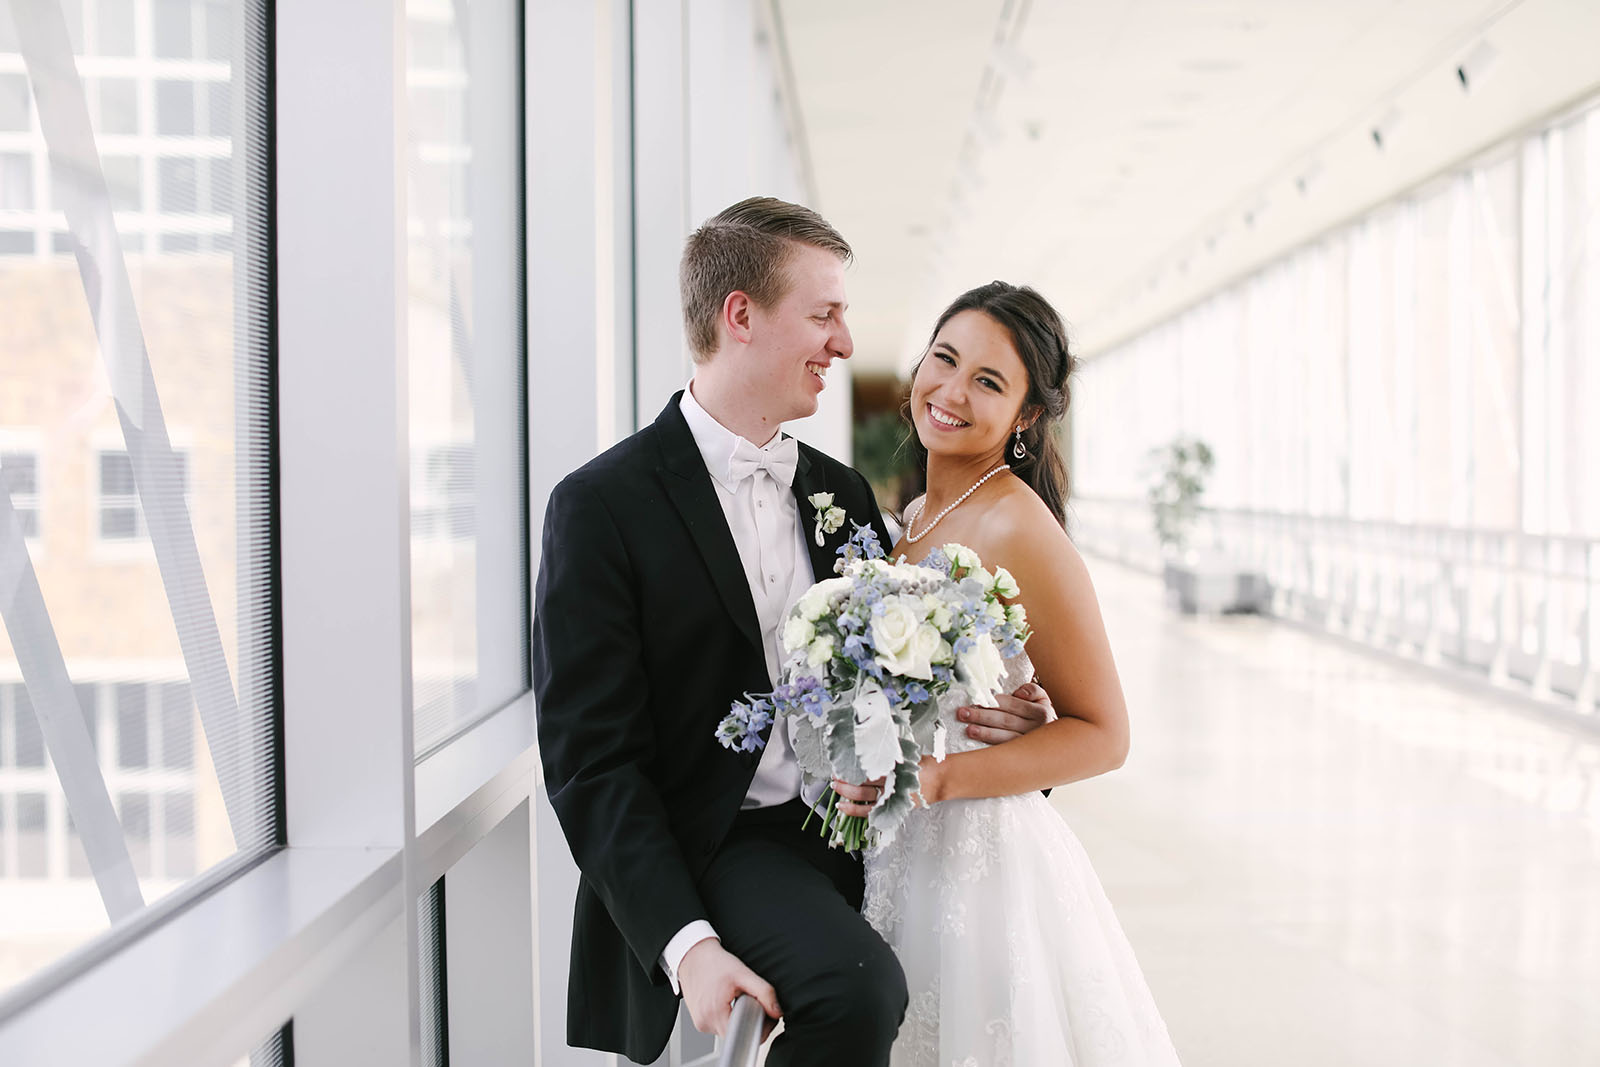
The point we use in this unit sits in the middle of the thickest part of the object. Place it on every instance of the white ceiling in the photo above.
(1117, 175)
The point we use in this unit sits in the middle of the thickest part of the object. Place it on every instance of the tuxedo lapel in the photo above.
(688, 485)
(809, 479)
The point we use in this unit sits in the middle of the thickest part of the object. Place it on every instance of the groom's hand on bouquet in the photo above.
(1024, 710)
(712, 978)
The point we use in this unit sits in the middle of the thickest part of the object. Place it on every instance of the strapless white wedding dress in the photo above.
(1012, 953)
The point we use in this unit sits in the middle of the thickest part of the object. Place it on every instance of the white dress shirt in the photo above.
(766, 528)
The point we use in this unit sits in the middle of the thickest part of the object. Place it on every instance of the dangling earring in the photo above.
(1018, 450)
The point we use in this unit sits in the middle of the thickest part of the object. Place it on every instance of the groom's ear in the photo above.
(736, 315)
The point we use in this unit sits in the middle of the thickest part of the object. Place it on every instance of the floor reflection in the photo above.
(1326, 858)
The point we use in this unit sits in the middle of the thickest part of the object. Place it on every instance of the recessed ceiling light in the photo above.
(1382, 131)
(1474, 70)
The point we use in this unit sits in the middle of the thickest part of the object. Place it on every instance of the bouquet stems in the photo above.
(849, 831)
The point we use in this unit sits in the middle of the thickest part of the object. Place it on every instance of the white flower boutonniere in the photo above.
(829, 517)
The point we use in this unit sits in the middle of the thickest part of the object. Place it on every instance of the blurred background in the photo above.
(305, 308)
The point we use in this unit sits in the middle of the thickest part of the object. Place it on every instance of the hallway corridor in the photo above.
(1324, 858)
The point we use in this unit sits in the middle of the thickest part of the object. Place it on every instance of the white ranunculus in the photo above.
(797, 633)
(1017, 616)
(877, 737)
(1004, 584)
(937, 610)
(821, 651)
(944, 654)
(995, 610)
(894, 637)
(981, 669)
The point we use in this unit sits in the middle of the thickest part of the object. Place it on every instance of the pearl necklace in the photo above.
(911, 520)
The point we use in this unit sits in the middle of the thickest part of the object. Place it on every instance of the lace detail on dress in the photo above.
(1011, 951)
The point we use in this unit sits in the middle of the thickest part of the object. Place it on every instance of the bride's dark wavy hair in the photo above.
(1040, 339)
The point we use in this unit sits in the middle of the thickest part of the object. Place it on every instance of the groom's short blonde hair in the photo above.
(745, 248)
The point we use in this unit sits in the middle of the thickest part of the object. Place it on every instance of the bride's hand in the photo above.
(857, 799)
(1025, 710)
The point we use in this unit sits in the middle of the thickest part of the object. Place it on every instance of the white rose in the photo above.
(797, 633)
(893, 636)
(980, 670)
(1004, 584)
(814, 603)
(962, 556)
(821, 651)
(924, 647)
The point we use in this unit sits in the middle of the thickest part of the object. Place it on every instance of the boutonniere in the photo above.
(829, 517)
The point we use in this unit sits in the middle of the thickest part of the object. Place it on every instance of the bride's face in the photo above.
(967, 395)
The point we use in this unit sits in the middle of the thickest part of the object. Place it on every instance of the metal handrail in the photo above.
(1522, 609)
(741, 1044)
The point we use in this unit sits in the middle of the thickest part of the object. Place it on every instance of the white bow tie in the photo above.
(779, 460)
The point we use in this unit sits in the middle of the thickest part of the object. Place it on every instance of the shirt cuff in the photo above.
(679, 946)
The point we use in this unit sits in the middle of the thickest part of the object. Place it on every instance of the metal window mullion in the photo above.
(344, 483)
(61, 722)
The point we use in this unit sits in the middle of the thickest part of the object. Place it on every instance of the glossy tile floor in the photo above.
(1323, 857)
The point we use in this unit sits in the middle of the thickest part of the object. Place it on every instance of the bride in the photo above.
(1012, 953)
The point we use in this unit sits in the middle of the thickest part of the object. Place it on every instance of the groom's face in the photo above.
(795, 342)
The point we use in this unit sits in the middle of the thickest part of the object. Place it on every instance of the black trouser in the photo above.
(789, 907)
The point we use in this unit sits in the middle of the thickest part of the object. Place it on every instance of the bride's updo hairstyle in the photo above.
(1041, 341)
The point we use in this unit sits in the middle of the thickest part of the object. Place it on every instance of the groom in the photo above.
(668, 563)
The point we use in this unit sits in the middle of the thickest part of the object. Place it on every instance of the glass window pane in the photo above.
(120, 523)
(178, 834)
(174, 29)
(464, 312)
(177, 727)
(119, 105)
(125, 179)
(133, 727)
(14, 101)
(16, 181)
(218, 104)
(19, 473)
(176, 185)
(135, 816)
(113, 27)
(219, 19)
(155, 642)
(88, 697)
(175, 107)
(16, 242)
(116, 474)
(33, 844)
(29, 740)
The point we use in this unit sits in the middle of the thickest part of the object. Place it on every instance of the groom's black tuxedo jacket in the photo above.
(644, 632)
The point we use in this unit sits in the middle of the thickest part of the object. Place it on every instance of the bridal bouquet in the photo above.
(868, 655)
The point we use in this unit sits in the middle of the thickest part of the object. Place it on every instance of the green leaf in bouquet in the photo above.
(839, 738)
(903, 781)
(923, 718)
(810, 746)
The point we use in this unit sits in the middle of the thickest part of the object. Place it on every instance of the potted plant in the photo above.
(1182, 466)
(1197, 582)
